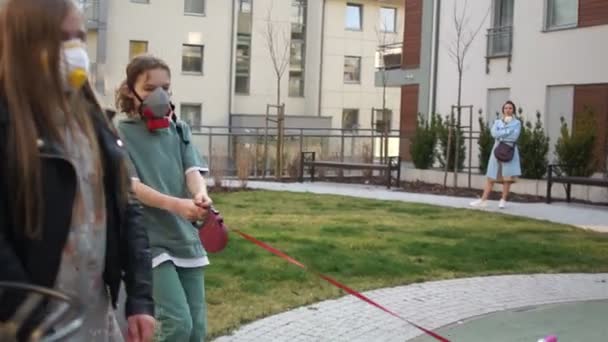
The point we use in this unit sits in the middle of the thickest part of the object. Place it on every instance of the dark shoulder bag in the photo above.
(504, 151)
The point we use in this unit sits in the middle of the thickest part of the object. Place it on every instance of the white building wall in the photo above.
(540, 59)
(263, 82)
(165, 27)
(340, 42)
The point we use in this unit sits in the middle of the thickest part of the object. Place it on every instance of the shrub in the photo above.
(422, 148)
(244, 160)
(574, 150)
(533, 149)
(442, 135)
(485, 143)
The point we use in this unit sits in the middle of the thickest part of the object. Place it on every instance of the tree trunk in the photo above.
(280, 121)
(457, 150)
(386, 126)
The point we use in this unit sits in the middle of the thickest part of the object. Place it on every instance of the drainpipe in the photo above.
(321, 61)
(435, 59)
(232, 65)
(102, 43)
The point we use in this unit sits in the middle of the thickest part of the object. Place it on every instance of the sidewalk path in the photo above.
(582, 216)
(432, 305)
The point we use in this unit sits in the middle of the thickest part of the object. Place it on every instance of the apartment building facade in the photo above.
(223, 73)
(545, 55)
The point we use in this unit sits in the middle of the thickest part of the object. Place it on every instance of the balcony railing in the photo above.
(500, 44)
(500, 41)
(389, 56)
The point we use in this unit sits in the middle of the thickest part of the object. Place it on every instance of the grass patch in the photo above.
(370, 244)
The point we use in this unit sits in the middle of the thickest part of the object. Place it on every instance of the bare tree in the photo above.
(278, 44)
(458, 51)
(386, 54)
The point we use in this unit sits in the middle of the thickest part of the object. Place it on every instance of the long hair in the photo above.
(31, 84)
(512, 105)
(137, 67)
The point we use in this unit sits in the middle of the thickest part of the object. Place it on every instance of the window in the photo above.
(192, 115)
(350, 119)
(243, 48)
(245, 6)
(352, 69)
(561, 14)
(388, 19)
(137, 47)
(496, 98)
(500, 36)
(194, 7)
(243, 63)
(192, 58)
(354, 17)
(503, 13)
(141, 1)
(383, 119)
(297, 51)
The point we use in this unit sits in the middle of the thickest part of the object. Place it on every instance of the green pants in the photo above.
(179, 295)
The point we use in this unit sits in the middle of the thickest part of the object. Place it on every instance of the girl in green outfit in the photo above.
(168, 181)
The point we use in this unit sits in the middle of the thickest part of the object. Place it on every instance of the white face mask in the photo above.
(75, 64)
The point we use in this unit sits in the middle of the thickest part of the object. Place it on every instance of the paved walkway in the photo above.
(583, 216)
(433, 304)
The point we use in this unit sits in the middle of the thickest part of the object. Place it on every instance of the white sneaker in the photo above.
(479, 203)
(502, 204)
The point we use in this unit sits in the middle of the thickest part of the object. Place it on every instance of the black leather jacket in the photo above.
(37, 262)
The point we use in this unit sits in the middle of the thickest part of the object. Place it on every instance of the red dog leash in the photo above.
(214, 237)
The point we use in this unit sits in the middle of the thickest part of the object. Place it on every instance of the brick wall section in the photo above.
(412, 34)
(595, 96)
(592, 12)
(409, 111)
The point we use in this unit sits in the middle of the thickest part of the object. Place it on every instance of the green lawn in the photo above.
(370, 244)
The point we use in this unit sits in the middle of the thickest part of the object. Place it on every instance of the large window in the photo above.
(354, 17)
(137, 47)
(352, 69)
(383, 120)
(350, 119)
(192, 58)
(243, 63)
(243, 48)
(298, 48)
(191, 114)
(194, 7)
(388, 19)
(561, 14)
(500, 35)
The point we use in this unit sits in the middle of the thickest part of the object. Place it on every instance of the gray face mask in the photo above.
(155, 109)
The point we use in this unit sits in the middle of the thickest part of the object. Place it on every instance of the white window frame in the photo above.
(548, 26)
(196, 14)
(192, 104)
(395, 16)
(360, 6)
(188, 72)
(359, 73)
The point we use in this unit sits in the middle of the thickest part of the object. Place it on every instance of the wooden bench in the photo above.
(308, 159)
(556, 175)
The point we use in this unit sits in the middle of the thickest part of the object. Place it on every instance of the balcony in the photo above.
(90, 8)
(389, 71)
(499, 44)
(388, 56)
